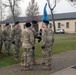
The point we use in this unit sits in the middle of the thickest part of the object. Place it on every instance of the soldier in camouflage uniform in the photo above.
(6, 34)
(1, 42)
(16, 39)
(34, 23)
(47, 42)
(28, 45)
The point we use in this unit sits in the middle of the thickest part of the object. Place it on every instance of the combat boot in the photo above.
(43, 63)
(21, 64)
(35, 63)
(31, 68)
(27, 68)
(16, 59)
(46, 67)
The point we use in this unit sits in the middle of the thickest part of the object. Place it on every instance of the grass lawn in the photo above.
(63, 42)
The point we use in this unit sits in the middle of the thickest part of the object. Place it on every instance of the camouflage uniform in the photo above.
(35, 35)
(28, 43)
(1, 42)
(47, 42)
(16, 37)
(7, 39)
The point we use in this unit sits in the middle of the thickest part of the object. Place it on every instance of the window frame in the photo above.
(67, 25)
(59, 24)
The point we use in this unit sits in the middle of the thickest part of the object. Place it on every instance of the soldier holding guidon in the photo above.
(47, 42)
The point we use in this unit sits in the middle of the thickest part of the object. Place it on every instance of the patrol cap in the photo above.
(34, 21)
(17, 22)
(28, 24)
(7, 24)
(46, 21)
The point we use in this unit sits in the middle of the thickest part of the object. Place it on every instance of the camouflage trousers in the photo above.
(1, 43)
(47, 56)
(7, 46)
(17, 48)
(26, 58)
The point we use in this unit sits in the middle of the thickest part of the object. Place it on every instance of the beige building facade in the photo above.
(69, 26)
(66, 21)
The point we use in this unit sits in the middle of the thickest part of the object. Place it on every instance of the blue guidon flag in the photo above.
(45, 16)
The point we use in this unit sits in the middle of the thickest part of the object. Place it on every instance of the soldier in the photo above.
(47, 42)
(27, 45)
(6, 34)
(34, 23)
(16, 39)
(1, 42)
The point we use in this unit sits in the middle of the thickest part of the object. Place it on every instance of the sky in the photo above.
(62, 7)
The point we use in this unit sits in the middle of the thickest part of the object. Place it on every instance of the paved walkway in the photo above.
(67, 71)
(59, 62)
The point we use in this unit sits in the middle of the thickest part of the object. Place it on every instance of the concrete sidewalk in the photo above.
(67, 71)
(59, 62)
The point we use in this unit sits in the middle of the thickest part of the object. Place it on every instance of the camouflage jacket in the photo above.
(35, 33)
(6, 34)
(47, 37)
(16, 34)
(28, 38)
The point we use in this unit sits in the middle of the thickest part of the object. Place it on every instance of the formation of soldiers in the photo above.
(26, 40)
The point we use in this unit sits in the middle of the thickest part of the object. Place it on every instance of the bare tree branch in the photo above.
(51, 10)
(72, 2)
(13, 6)
(1, 12)
(54, 5)
(32, 10)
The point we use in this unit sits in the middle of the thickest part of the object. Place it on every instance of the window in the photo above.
(59, 25)
(50, 25)
(67, 24)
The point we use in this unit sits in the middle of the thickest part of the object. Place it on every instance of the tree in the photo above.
(51, 10)
(32, 11)
(1, 12)
(14, 7)
(15, 15)
(72, 2)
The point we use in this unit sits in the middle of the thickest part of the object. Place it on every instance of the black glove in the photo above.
(40, 32)
(33, 47)
(4, 40)
(43, 47)
(39, 38)
(13, 42)
(52, 40)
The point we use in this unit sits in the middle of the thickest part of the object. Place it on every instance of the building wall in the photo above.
(72, 25)
(63, 25)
